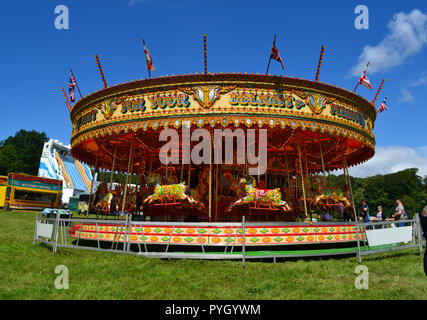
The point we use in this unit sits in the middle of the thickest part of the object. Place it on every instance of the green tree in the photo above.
(383, 190)
(21, 153)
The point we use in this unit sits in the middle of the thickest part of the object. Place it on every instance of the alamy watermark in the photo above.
(362, 280)
(211, 149)
(61, 281)
(362, 20)
(62, 21)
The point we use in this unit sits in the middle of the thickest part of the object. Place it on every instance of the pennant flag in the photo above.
(71, 86)
(275, 54)
(364, 81)
(383, 106)
(150, 65)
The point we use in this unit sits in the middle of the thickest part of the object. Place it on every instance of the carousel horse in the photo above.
(106, 197)
(325, 195)
(262, 196)
(172, 191)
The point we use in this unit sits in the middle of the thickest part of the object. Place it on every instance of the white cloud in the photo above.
(406, 95)
(407, 36)
(393, 159)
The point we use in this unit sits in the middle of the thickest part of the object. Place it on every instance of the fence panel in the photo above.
(384, 236)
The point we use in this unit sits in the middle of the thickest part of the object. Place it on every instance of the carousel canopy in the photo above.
(330, 125)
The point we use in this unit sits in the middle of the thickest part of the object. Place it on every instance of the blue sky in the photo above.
(35, 56)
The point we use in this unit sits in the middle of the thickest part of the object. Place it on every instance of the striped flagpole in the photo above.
(66, 100)
(319, 65)
(378, 92)
(100, 71)
(205, 52)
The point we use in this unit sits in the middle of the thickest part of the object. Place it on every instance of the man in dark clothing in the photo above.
(365, 212)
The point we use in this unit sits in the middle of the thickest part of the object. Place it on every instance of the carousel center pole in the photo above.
(302, 181)
(91, 189)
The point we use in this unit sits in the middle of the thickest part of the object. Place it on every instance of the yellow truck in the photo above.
(24, 191)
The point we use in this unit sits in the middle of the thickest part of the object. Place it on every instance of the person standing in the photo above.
(365, 212)
(399, 213)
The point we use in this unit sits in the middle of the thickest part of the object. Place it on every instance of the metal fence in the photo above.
(362, 230)
(56, 233)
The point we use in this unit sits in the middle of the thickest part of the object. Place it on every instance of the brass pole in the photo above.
(91, 189)
(210, 183)
(112, 169)
(321, 157)
(351, 191)
(302, 180)
(126, 186)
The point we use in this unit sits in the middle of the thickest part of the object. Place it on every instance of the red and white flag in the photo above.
(275, 54)
(364, 81)
(150, 65)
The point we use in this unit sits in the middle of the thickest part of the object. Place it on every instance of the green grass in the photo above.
(28, 272)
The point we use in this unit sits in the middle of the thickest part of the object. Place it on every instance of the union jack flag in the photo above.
(71, 86)
(383, 106)
(275, 54)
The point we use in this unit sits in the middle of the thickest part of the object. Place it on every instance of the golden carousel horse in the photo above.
(328, 196)
(269, 197)
(168, 192)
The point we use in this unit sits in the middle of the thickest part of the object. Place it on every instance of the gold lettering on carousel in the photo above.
(85, 119)
(266, 100)
(169, 101)
(137, 105)
(348, 114)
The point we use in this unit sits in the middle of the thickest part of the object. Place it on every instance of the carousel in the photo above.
(303, 129)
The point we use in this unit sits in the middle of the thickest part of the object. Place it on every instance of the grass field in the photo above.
(28, 272)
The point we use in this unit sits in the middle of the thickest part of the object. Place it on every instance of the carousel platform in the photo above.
(272, 234)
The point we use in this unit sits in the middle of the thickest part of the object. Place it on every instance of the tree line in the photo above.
(383, 190)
